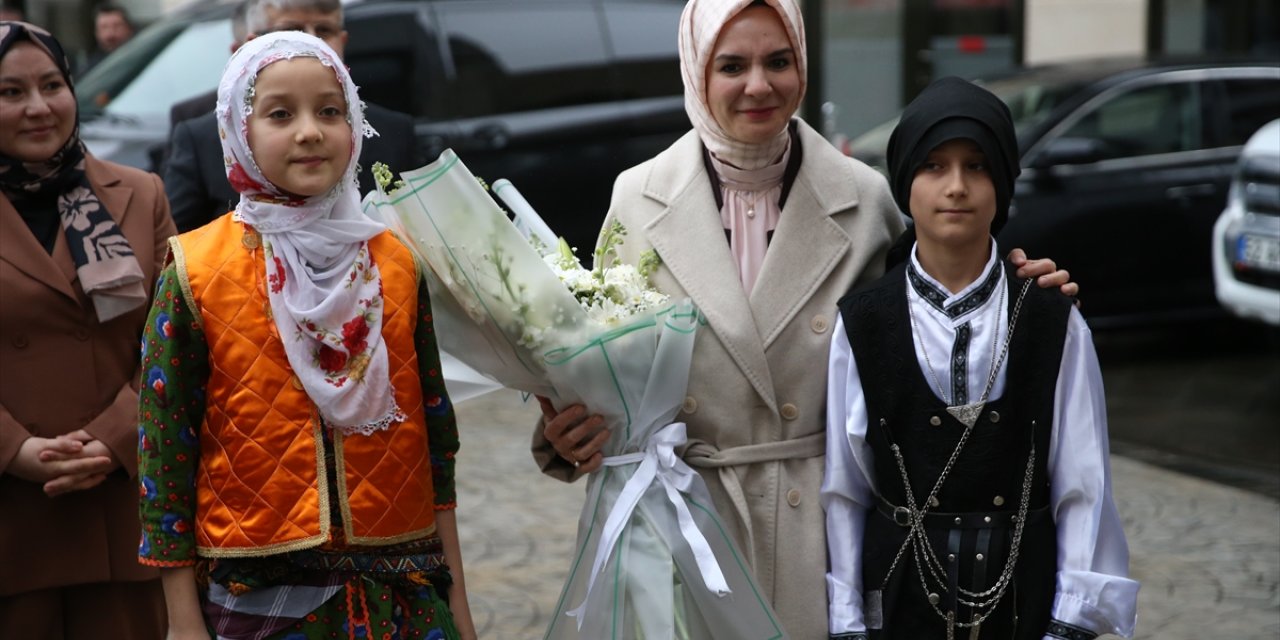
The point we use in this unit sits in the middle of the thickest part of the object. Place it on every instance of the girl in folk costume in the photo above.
(296, 447)
(764, 225)
(967, 487)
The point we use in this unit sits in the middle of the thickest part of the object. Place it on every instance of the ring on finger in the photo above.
(572, 459)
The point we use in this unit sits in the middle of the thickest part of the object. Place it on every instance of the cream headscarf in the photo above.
(323, 286)
(700, 26)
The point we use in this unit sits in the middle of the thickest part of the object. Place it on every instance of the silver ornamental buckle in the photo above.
(902, 516)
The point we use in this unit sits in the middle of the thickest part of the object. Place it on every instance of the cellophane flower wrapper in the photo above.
(652, 558)
(649, 584)
(481, 272)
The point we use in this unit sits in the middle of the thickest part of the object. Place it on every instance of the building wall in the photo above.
(1060, 30)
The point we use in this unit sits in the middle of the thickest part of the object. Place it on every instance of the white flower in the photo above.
(610, 295)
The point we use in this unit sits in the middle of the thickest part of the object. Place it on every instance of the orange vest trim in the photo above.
(260, 484)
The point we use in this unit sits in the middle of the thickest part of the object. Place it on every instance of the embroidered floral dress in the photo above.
(334, 591)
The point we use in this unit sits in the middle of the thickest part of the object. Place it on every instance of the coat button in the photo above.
(296, 381)
(998, 500)
(818, 324)
(689, 405)
(789, 411)
(20, 342)
(793, 497)
(935, 421)
(250, 239)
(994, 416)
(81, 335)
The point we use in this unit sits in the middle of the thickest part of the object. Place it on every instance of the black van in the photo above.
(558, 96)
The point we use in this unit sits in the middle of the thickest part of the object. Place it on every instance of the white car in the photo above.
(1246, 238)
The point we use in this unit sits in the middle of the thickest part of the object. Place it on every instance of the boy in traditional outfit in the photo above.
(967, 487)
(296, 446)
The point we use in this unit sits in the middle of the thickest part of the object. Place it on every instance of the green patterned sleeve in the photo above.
(442, 426)
(175, 368)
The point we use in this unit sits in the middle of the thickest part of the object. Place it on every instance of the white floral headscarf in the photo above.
(700, 27)
(324, 289)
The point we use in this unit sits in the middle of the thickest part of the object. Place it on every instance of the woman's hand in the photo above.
(63, 464)
(78, 481)
(1046, 273)
(576, 437)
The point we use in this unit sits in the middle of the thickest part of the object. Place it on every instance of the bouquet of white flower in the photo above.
(511, 301)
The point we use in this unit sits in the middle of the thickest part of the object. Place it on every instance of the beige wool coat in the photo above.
(756, 401)
(62, 370)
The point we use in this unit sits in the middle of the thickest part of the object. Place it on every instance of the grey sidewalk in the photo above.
(1208, 556)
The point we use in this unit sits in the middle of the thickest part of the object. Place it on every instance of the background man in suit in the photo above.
(195, 176)
(203, 103)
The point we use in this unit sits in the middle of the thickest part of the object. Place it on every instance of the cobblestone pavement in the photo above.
(1208, 556)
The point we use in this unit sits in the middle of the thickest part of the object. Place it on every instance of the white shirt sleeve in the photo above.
(1093, 588)
(846, 487)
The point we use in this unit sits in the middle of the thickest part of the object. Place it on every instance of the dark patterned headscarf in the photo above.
(105, 264)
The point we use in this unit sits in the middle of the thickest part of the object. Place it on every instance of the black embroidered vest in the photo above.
(971, 531)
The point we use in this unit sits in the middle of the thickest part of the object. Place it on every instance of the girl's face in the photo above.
(753, 85)
(953, 199)
(298, 131)
(37, 108)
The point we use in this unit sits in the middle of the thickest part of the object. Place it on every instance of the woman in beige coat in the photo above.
(81, 242)
(764, 225)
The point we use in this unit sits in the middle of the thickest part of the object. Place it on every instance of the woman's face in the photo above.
(37, 108)
(753, 84)
(298, 131)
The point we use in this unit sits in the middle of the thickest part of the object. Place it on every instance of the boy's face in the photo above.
(298, 131)
(953, 200)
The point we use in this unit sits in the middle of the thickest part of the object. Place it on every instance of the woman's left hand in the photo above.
(92, 448)
(1045, 271)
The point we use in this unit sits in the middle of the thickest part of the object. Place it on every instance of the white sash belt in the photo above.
(658, 462)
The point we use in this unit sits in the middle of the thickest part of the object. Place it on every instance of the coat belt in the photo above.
(705, 456)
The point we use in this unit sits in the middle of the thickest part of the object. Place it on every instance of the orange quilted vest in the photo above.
(260, 485)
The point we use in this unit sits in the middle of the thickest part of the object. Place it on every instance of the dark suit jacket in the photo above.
(178, 113)
(192, 108)
(195, 177)
(62, 370)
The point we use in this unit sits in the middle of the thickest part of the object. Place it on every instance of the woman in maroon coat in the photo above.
(81, 242)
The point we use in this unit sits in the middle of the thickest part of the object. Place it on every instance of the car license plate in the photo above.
(1258, 252)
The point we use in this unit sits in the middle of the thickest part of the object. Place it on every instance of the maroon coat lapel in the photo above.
(21, 249)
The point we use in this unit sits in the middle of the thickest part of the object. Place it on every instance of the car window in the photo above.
(642, 36)
(1251, 103)
(160, 67)
(1029, 101)
(516, 56)
(1154, 119)
(394, 60)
